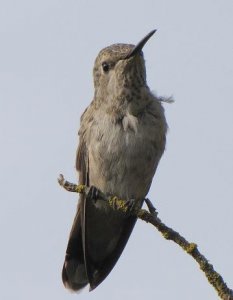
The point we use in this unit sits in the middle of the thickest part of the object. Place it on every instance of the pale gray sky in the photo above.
(46, 57)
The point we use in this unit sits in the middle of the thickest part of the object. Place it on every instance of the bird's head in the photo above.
(120, 70)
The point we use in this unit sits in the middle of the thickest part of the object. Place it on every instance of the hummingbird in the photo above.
(122, 137)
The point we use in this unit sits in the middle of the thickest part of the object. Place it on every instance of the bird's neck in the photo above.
(127, 102)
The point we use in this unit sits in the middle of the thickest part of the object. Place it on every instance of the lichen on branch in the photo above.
(151, 216)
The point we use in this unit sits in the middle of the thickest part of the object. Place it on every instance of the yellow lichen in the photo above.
(80, 188)
(191, 247)
(166, 235)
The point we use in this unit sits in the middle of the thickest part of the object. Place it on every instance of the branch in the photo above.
(214, 278)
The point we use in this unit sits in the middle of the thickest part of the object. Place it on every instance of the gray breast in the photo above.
(123, 159)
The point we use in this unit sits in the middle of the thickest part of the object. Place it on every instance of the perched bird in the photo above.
(121, 140)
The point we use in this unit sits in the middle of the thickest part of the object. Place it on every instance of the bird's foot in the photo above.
(130, 204)
(93, 193)
(122, 205)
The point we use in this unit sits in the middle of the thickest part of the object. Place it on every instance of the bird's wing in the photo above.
(74, 270)
(98, 235)
(105, 231)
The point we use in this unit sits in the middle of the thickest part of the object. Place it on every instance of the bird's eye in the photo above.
(105, 67)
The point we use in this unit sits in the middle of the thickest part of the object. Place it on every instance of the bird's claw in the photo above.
(93, 193)
(130, 204)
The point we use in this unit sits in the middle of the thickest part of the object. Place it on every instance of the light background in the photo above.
(46, 57)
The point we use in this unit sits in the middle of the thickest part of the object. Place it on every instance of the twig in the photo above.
(214, 278)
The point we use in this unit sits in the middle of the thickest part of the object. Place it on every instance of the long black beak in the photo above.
(140, 45)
